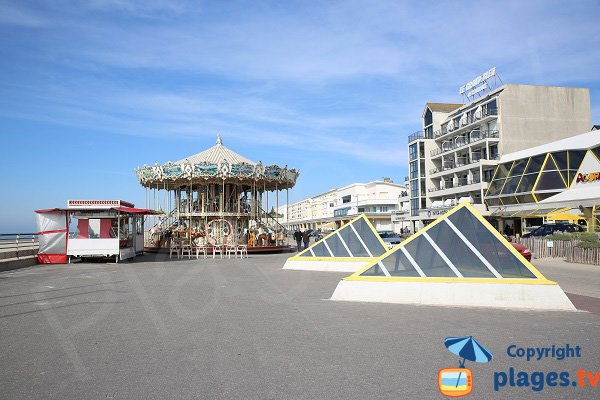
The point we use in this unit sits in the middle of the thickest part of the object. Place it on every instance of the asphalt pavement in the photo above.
(245, 329)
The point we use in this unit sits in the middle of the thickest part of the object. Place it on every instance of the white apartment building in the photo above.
(385, 203)
(454, 157)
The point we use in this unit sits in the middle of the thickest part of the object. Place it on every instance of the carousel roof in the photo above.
(216, 155)
(217, 164)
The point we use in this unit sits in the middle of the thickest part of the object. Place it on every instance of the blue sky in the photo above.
(89, 90)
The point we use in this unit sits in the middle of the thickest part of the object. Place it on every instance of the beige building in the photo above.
(454, 157)
(385, 204)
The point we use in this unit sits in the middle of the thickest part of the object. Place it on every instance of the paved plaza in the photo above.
(245, 329)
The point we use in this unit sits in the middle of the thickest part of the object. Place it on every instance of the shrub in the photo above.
(562, 236)
(589, 245)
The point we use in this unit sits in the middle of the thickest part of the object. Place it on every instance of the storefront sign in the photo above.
(591, 177)
(478, 84)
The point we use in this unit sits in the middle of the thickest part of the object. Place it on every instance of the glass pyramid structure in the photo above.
(347, 249)
(355, 239)
(459, 245)
(458, 260)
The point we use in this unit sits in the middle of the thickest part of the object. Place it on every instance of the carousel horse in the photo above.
(251, 239)
(263, 239)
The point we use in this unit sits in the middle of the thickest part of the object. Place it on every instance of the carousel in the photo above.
(216, 198)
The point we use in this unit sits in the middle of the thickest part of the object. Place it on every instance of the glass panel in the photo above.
(572, 174)
(502, 170)
(319, 250)
(493, 202)
(552, 166)
(508, 200)
(336, 246)
(561, 159)
(575, 158)
(369, 238)
(596, 151)
(428, 259)
(544, 196)
(535, 163)
(527, 183)
(550, 180)
(495, 187)
(518, 167)
(397, 264)
(494, 251)
(356, 248)
(469, 265)
(373, 271)
(525, 198)
(511, 185)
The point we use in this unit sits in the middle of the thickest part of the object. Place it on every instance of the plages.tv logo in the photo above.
(458, 382)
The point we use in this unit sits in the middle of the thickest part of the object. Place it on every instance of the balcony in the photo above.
(463, 162)
(456, 184)
(449, 146)
(417, 135)
(455, 125)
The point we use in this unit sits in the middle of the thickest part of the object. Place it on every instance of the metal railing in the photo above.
(17, 246)
(417, 135)
(448, 146)
(460, 124)
(459, 182)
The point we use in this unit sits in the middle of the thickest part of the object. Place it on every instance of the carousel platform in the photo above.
(251, 250)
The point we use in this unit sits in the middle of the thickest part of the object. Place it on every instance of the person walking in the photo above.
(306, 238)
(298, 238)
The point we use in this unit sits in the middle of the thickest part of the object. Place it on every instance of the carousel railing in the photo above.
(273, 224)
(168, 228)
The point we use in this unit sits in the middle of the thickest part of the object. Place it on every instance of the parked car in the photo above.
(390, 238)
(524, 251)
(549, 229)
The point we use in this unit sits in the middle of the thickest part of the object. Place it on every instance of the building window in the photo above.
(414, 189)
(414, 207)
(341, 212)
(346, 199)
(412, 152)
(383, 209)
(414, 170)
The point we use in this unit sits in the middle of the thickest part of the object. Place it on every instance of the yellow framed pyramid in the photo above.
(345, 250)
(458, 260)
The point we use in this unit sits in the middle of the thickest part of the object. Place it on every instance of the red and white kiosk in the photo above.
(90, 228)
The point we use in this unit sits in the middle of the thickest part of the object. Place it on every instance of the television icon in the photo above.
(455, 382)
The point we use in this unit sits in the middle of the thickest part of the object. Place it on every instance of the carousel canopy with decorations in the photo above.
(216, 194)
(215, 165)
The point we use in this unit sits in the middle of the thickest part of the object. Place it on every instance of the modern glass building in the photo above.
(526, 183)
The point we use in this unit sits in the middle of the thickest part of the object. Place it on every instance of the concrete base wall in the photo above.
(498, 295)
(331, 266)
(15, 264)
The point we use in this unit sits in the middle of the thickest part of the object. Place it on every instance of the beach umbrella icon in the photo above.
(468, 348)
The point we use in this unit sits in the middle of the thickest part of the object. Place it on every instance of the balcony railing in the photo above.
(450, 165)
(417, 135)
(462, 123)
(455, 184)
(449, 146)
